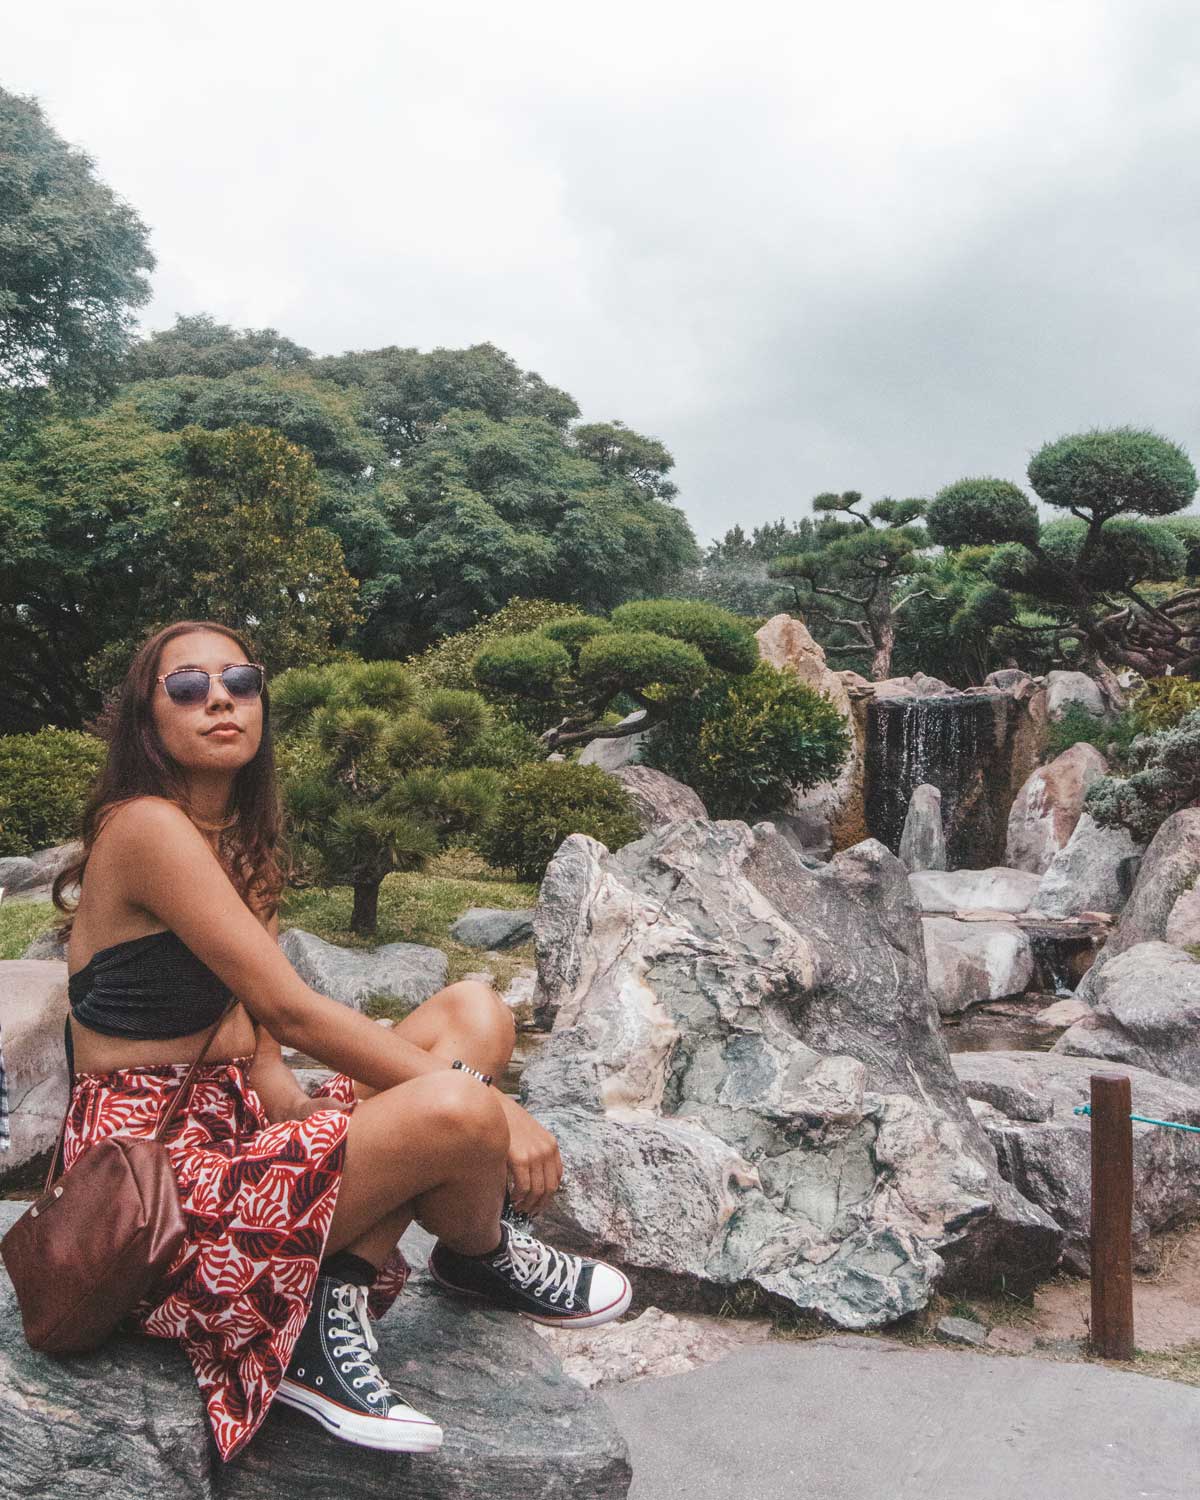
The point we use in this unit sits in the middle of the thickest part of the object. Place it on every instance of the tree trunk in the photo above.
(885, 643)
(365, 917)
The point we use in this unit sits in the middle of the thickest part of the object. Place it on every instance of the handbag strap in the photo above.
(183, 1092)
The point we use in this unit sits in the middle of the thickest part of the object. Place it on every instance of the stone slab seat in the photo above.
(127, 1422)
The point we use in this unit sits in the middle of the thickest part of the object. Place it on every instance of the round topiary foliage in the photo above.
(1114, 470)
(44, 782)
(528, 666)
(632, 660)
(546, 803)
(450, 662)
(744, 743)
(976, 511)
(724, 638)
(574, 633)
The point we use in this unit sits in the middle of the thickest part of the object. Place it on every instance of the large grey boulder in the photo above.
(47, 944)
(127, 1422)
(492, 928)
(33, 1006)
(1088, 874)
(969, 962)
(923, 841)
(1145, 1013)
(407, 972)
(997, 889)
(1048, 807)
(1074, 690)
(20, 874)
(1026, 1102)
(1169, 867)
(747, 1079)
(619, 750)
(657, 797)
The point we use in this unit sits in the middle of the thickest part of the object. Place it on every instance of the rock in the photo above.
(1183, 924)
(1063, 1013)
(127, 1422)
(401, 971)
(996, 889)
(747, 1080)
(1086, 874)
(961, 1331)
(654, 1344)
(47, 944)
(21, 873)
(969, 962)
(1026, 1103)
(1048, 807)
(832, 815)
(1011, 1341)
(31, 1030)
(1145, 1013)
(923, 842)
(519, 997)
(622, 750)
(657, 797)
(492, 928)
(1168, 869)
(1074, 689)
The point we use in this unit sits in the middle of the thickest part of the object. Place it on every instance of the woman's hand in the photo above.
(535, 1168)
(303, 1106)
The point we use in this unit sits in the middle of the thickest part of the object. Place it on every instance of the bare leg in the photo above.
(436, 1146)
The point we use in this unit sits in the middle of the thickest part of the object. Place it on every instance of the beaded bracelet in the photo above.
(474, 1072)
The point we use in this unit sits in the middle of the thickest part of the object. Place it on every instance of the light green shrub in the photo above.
(44, 781)
(545, 803)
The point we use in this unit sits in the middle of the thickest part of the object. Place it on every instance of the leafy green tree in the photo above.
(374, 773)
(746, 743)
(1089, 573)
(73, 259)
(483, 510)
(85, 507)
(201, 346)
(854, 578)
(242, 547)
(654, 653)
(405, 393)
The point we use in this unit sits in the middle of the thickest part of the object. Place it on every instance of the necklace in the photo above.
(214, 827)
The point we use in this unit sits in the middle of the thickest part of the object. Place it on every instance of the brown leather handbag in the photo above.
(96, 1242)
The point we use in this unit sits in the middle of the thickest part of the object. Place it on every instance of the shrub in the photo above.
(744, 743)
(44, 780)
(1077, 727)
(543, 804)
(448, 664)
(1166, 777)
(1164, 701)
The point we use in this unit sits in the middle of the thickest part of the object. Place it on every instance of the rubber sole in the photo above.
(392, 1434)
(574, 1320)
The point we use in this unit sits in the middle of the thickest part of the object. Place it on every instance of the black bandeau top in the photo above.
(149, 989)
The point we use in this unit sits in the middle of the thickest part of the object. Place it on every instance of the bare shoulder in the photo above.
(146, 819)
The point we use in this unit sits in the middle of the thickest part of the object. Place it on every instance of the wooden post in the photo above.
(1112, 1216)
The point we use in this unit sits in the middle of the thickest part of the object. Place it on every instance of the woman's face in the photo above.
(199, 737)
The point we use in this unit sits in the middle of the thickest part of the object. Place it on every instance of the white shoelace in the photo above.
(359, 1342)
(554, 1271)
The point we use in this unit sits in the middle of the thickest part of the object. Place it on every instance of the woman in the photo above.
(293, 1205)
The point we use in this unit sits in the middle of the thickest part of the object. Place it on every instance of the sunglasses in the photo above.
(189, 685)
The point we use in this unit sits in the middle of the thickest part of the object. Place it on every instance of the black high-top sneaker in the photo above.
(333, 1377)
(533, 1278)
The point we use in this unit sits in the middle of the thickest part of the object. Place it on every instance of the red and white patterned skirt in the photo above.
(258, 1200)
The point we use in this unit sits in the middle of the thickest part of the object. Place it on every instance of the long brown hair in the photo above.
(251, 849)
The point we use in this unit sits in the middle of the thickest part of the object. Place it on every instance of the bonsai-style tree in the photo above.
(377, 777)
(854, 576)
(572, 673)
(1166, 778)
(1088, 573)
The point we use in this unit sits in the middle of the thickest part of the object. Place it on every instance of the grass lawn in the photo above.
(417, 908)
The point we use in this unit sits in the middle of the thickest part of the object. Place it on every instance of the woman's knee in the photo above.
(475, 1009)
(456, 1108)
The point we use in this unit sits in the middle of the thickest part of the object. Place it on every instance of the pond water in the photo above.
(1006, 1026)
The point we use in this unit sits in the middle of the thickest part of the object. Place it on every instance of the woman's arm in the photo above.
(165, 866)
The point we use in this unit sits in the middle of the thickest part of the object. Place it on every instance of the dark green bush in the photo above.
(527, 666)
(543, 804)
(1077, 727)
(448, 664)
(743, 743)
(722, 637)
(44, 780)
(620, 660)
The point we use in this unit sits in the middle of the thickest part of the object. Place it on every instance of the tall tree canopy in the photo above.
(1091, 572)
(73, 259)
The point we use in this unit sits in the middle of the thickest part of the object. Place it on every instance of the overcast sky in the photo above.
(874, 246)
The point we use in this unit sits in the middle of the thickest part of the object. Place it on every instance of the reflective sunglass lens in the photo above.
(186, 687)
(242, 682)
